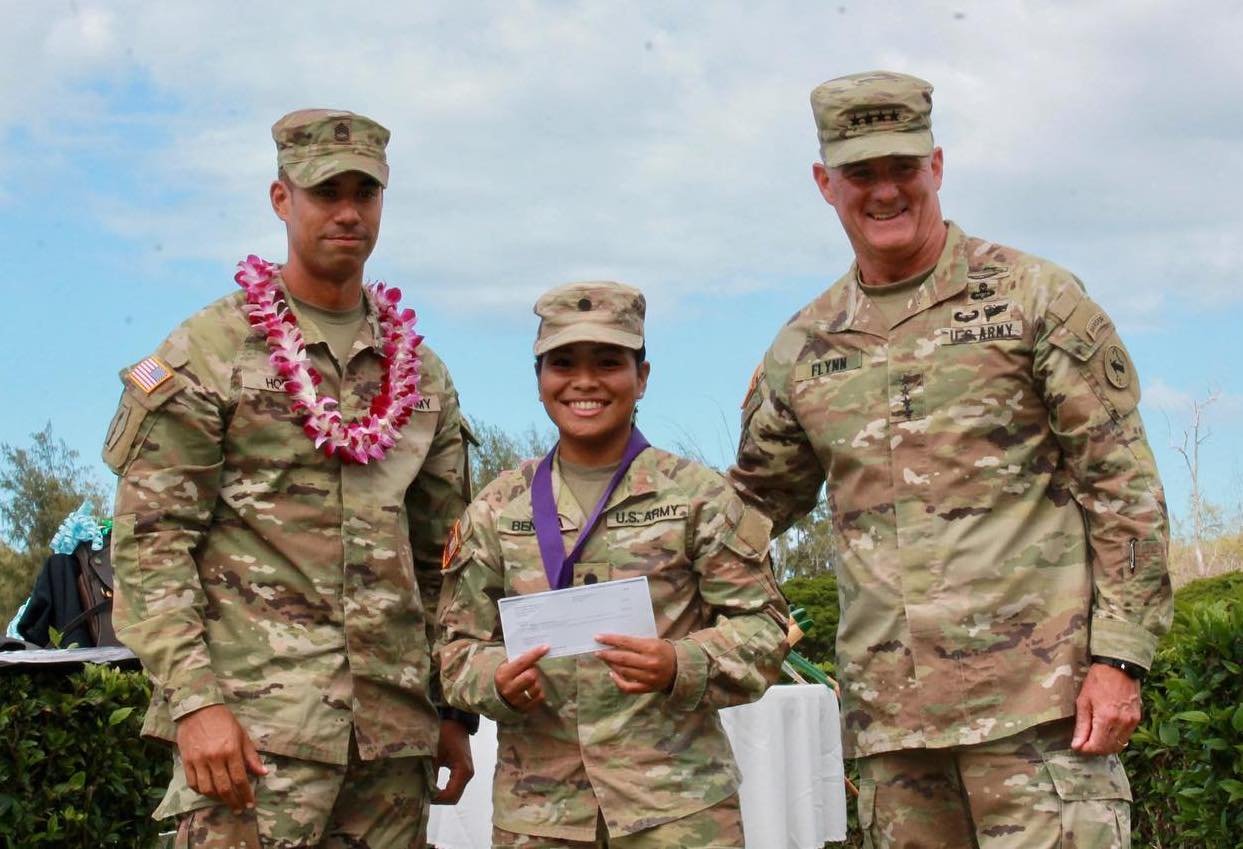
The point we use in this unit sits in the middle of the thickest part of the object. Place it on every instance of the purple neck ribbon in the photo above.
(559, 566)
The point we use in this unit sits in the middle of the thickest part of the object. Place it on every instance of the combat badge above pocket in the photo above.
(149, 384)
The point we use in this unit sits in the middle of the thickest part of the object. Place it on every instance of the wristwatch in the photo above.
(1132, 669)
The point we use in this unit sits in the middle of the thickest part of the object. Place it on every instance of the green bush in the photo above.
(1186, 763)
(818, 596)
(1226, 588)
(73, 770)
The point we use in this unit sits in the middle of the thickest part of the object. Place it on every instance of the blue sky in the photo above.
(667, 146)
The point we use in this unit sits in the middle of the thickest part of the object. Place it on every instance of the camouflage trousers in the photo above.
(1029, 791)
(381, 804)
(718, 827)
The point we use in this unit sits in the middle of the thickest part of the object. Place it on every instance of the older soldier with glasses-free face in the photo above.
(1001, 530)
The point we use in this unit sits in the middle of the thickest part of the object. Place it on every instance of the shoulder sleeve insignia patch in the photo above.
(1117, 367)
(452, 545)
(150, 374)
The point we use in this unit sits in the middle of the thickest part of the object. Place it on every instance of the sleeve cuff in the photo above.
(200, 692)
(691, 681)
(498, 709)
(1115, 638)
(484, 696)
(468, 720)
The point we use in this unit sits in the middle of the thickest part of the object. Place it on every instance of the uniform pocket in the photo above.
(209, 828)
(1095, 798)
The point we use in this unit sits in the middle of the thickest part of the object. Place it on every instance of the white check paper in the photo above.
(568, 620)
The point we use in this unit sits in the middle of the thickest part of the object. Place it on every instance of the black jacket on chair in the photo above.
(54, 603)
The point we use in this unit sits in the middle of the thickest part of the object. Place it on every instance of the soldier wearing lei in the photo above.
(291, 459)
(622, 748)
(1001, 529)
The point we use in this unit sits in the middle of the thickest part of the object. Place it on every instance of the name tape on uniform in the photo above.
(1002, 331)
(649, 516)
(828, 366)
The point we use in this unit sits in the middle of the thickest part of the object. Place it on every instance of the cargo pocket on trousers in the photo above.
(217, 828)
(1095, 799)
(867, 810)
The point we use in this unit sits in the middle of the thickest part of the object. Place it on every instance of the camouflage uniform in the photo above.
(255, 572)
(591, 763)
(643, 760)
(996, 507)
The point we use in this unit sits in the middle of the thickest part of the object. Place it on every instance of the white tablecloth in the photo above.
(788, 746)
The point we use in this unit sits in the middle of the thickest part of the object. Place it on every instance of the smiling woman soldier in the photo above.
(621, 748)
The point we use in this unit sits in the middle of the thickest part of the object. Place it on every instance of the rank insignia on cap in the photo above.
(341, 132)
(150, 374)
(452, 546)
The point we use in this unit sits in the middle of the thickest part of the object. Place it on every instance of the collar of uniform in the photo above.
(367, 334)
(641, 479)
(948, 278)
(309, 328)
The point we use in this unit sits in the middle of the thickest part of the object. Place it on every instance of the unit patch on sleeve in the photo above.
(1117, 367)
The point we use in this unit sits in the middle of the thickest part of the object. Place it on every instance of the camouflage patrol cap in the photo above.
(599, 311)
(315, 144)
(878, 113)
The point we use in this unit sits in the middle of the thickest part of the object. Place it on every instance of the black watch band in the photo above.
(469, 720)
(1132, 669)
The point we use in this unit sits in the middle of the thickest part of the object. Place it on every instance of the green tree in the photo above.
(498, 451)
(39, 486)
(806, 549)
(818, 596)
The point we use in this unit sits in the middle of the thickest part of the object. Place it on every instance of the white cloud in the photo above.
(536, 142)
(1161, 396)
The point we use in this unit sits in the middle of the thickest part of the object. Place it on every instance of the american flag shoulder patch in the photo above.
(150, 374)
